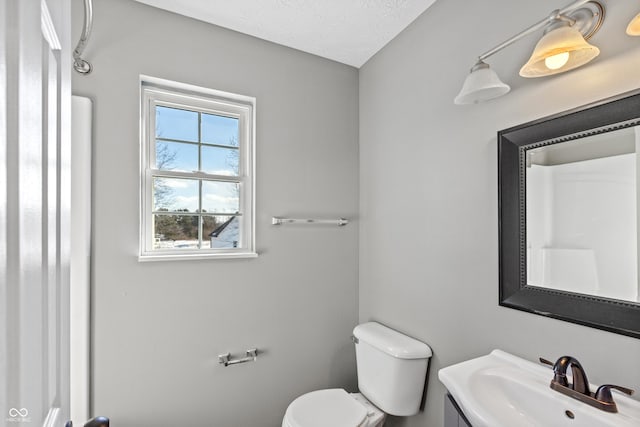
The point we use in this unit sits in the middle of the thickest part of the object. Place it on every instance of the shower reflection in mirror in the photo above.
(581, 215)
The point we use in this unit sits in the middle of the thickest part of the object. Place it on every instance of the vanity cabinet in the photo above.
(453, 416)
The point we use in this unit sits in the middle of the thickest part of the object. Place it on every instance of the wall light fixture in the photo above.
(563, 47)
(634, 26)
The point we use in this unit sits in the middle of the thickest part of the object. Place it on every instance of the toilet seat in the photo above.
(322, 408)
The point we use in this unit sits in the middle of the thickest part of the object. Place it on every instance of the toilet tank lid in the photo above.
(391, 342)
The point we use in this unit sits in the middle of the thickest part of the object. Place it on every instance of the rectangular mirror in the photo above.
(568, 195)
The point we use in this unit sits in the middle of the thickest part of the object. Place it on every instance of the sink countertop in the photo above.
(503, 390)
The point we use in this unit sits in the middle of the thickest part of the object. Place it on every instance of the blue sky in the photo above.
(172, 123)
(181, 127)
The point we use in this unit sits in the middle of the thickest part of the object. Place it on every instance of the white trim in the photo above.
(201, 175)
(80, 256)
(196, 90)
(194, 256)
(155, 91)
(47, 27)
(53, 418)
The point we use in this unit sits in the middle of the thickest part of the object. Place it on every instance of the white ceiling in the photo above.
(347, 31)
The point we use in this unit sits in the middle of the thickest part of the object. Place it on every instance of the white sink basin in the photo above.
(503, 390)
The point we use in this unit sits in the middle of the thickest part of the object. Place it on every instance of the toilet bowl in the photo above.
(332, 407)
(391, 374)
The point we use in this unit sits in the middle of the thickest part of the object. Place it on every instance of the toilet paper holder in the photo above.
(225, 359)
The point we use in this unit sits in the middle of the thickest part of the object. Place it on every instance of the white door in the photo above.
(35, 102)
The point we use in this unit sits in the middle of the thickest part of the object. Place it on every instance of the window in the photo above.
(197, 162)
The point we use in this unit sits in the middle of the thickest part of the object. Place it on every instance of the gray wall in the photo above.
(428, 192)
(158, 327)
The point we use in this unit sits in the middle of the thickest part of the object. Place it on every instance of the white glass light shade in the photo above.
(634, 26)
(555, 42)
(482, 84)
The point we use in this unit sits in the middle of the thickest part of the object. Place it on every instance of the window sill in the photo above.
(195, 256)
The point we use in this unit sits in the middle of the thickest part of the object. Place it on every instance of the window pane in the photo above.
(220, 197)
(221, 232)
(219, 130)
(220, 161)
(172, 123)
(176, 156)
(175, 231)
(175, 195)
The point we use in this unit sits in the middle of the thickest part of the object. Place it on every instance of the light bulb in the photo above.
(557, 61)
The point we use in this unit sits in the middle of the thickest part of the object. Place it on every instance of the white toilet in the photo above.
(391, 376)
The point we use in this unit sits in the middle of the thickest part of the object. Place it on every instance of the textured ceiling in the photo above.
(347, 31)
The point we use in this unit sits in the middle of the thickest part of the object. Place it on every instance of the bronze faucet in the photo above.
(580, 382)
(579, 389)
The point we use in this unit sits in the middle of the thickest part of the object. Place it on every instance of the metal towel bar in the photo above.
(279, 221)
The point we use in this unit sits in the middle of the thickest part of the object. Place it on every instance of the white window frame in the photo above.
(153, 92)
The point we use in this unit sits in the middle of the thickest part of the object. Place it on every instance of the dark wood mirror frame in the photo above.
(617, 316)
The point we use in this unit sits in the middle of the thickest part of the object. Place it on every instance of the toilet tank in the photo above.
(392, 368)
